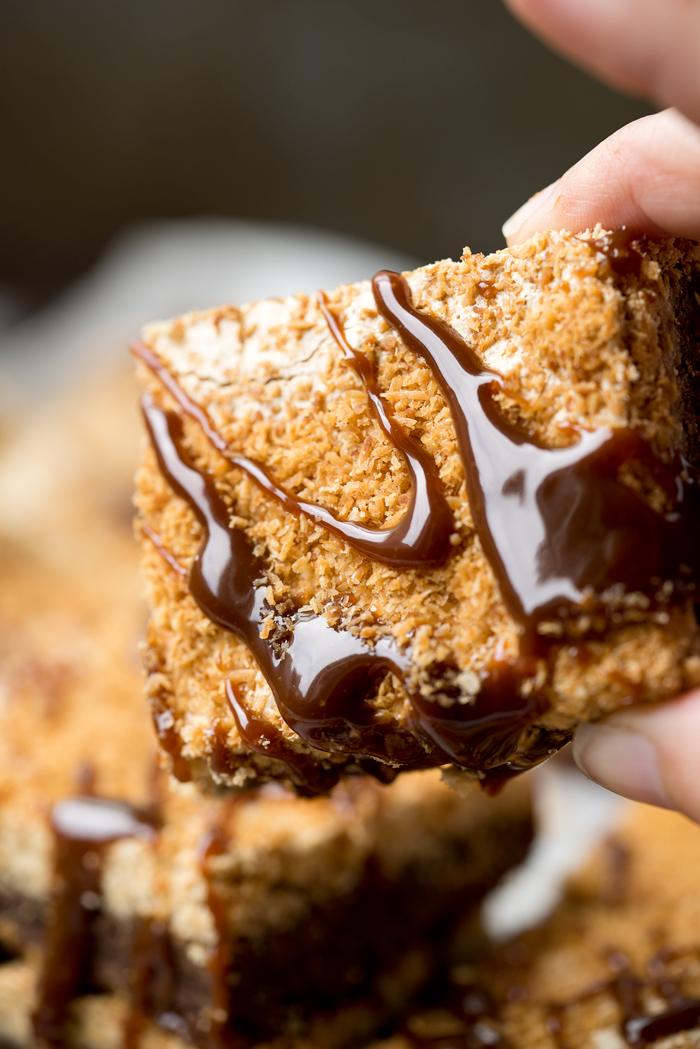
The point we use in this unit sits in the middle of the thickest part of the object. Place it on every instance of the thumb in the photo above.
(646, 177)
(647, 754)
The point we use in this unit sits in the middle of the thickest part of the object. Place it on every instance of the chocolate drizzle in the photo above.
(642, 1030)
(151, 979)
(562, 532)
(83, 827)
(164, 725)
(308, 776)
(619, 251)
(466, 1016)
(312, 668)
(420, 539)
(321, 677)
(637, 1026)
(557, 525)
(215, 843)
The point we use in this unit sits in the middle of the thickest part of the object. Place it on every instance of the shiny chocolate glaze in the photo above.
(420, 539)
(308, 775)
(83, 827)
(557, 525)
(620, 250)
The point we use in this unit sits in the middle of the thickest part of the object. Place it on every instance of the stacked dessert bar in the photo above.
(136, 911)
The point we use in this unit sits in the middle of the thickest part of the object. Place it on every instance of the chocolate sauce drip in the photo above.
(642, 1030)
(488, 732)
(420, 540)
(320, 676)
(619, 251)
(152, 978)
(168, 736)
(637, 1027)
(556, 525)
(155, 983)
(83, 827)
(309, 778)
(422, 537)
(316, 673)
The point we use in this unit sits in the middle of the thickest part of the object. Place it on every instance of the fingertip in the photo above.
(647, 753)
(645, 176)
(527, 214)
(621, 759)
(517, 7)
(532, 12)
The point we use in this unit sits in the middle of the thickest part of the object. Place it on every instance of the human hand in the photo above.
(646, 176)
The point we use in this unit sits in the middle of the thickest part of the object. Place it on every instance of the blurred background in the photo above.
(419, 127)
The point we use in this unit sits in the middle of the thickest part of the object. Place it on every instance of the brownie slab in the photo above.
(435, 519)
(138, 907)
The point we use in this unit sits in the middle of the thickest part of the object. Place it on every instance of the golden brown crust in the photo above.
(577, 346)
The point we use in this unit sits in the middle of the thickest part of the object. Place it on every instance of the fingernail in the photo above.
(511, 226)
(621, 760)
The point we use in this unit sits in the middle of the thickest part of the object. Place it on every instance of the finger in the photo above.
(649, 755)
(646, 176)
(649, 47)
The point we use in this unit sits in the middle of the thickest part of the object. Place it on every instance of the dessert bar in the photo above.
(134, 911)
(437, 518)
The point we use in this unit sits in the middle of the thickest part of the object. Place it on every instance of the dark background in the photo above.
(418, 125)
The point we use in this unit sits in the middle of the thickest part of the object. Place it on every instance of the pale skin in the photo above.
(645, 176)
